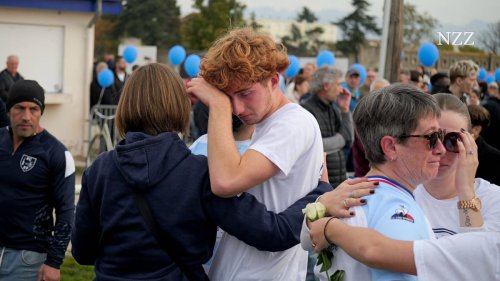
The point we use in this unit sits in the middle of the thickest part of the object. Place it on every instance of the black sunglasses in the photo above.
(449, 140)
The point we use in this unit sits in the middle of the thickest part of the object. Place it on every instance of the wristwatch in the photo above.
(474, 204)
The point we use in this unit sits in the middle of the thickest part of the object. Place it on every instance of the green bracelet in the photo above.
(324, 231)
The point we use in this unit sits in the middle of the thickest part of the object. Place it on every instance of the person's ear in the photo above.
(326, 87)
(275, 80)
(476, 130)
(388, 146)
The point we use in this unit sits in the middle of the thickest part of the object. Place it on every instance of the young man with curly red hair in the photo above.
(240, 74)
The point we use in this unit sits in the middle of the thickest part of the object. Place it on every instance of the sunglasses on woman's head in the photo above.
(449, 140)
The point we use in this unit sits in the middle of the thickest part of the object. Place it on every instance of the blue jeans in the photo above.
(20, 264)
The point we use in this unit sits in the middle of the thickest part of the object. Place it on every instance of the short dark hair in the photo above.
(479, 116)
(414, 75)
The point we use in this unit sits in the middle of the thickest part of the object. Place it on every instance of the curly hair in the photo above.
(242, 56)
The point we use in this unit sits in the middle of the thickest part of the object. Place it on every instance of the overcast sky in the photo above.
(448, 12)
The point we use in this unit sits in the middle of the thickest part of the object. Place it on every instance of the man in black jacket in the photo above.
(9, 76)
(492, 103)
(37, 177)
(329, 104)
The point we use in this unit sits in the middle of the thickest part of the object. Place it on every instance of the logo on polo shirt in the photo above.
(27, 163)
(401, 213)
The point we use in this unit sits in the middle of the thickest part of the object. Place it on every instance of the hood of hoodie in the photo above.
(144, 160)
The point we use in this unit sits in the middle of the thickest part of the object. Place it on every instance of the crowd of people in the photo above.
(423, 151)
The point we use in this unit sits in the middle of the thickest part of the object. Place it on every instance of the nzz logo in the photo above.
(458, 38)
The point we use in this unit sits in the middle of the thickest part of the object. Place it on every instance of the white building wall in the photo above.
(66, 112)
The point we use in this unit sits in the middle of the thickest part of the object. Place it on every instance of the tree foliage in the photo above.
(307, 16)
(355, 26)
(155, 22)
(104, 40)
(212, 19)
(307, 43)
(490, 38)
(416, 26)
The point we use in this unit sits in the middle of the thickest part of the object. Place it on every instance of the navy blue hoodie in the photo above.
(110, 232)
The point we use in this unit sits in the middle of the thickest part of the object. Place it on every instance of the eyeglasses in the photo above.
(449, 140)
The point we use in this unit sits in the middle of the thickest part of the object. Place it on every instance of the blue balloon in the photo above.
(490, 78)
(130, 54)
(177, 54)
(481, 74)
(294, 67)
(497, 74)
(362, 72)
(105, 78)
(428, 54)
(325, 57)
(192, 65)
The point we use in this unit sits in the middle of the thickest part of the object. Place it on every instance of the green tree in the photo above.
(304, 44)
(307, 16)
(354, 27)
(105, 41)
(416, 26)
(155, 22)
(201, 28)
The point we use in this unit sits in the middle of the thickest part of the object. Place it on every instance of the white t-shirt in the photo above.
(446, 221)
(291, 139)
(200, 145)
(466, 256)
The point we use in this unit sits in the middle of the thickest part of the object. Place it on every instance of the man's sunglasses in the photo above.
(449, 140)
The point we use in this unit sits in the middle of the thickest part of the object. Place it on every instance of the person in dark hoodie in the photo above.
(110, 232)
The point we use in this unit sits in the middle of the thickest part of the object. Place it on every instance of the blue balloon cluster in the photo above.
(497, 74)
(362, 72)
(176, 54)
(130, 54)
(325, 58)
(481, 74)
(105, 78)
(428, 54)
(192, 65)
(294, 67)
(489, 79)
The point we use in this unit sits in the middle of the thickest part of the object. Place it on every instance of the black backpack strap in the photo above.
(153, 226)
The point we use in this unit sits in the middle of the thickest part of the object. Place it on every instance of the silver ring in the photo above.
(345, 203)
(351, 194)
(471, 152)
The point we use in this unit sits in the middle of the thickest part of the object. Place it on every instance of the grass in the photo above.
(72, 271)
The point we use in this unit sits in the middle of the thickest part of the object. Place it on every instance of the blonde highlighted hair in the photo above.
(153, 101)
(242, 56)
(462, 69)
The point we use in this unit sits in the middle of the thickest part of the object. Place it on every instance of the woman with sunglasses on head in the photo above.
(398, 126)
(454, 201)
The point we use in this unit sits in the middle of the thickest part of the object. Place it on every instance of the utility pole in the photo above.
(392, 43)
